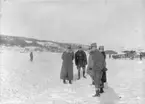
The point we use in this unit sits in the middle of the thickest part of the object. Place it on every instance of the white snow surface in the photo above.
(38, 82)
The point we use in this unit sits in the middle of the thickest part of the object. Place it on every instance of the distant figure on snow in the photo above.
(140, 56)
(31, 56)
(67, 65)
(109, 56)
(81, 61)
(96, 63)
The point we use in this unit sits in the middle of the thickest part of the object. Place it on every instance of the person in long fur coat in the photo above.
(67, 66)
(96, 64)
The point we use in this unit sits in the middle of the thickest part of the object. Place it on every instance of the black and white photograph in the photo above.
(72, 51)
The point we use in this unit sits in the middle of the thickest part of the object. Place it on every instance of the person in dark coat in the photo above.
(67, 66)
(81, 61)
(31, 56)
(96, 65)
(104, 78)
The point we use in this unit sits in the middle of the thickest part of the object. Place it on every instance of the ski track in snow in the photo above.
(25, 82)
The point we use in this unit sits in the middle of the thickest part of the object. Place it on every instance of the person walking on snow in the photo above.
(31, 56)
(67, 65)
(81, 61)
(140, 56)
(109, 56)
(95, 67)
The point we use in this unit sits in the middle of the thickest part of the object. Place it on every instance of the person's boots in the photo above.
(97, 94)
(84, 74)
(64, 81)
(101, 90)
(78, 74)
(70, 82)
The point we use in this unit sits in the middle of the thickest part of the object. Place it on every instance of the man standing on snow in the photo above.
(67, 65)
(31, 56)
(140, 55)
(81, 61)
(109, 56)
(95, 66)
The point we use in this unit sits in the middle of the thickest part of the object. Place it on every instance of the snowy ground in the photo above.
(25, 82)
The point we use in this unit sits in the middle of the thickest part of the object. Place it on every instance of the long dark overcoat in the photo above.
(67, 66)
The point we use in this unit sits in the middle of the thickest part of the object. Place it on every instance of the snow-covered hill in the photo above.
(35, 44)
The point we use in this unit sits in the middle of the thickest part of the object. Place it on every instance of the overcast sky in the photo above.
(113, 23)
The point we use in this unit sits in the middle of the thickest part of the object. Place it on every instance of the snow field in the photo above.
(38, 82)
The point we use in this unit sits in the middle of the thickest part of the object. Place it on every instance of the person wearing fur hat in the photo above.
(67, 65)
(95, 65)
(81, 61)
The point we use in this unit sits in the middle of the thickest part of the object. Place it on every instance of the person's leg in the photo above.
(78, 67)
(103, 79)
(30, 58)
(102, 76)
(101, 87)
(65, 78)
(84, 68)
(97, 81)
(105, 82)
(70, 82)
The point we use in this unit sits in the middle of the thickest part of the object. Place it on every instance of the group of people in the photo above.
(96, 66)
